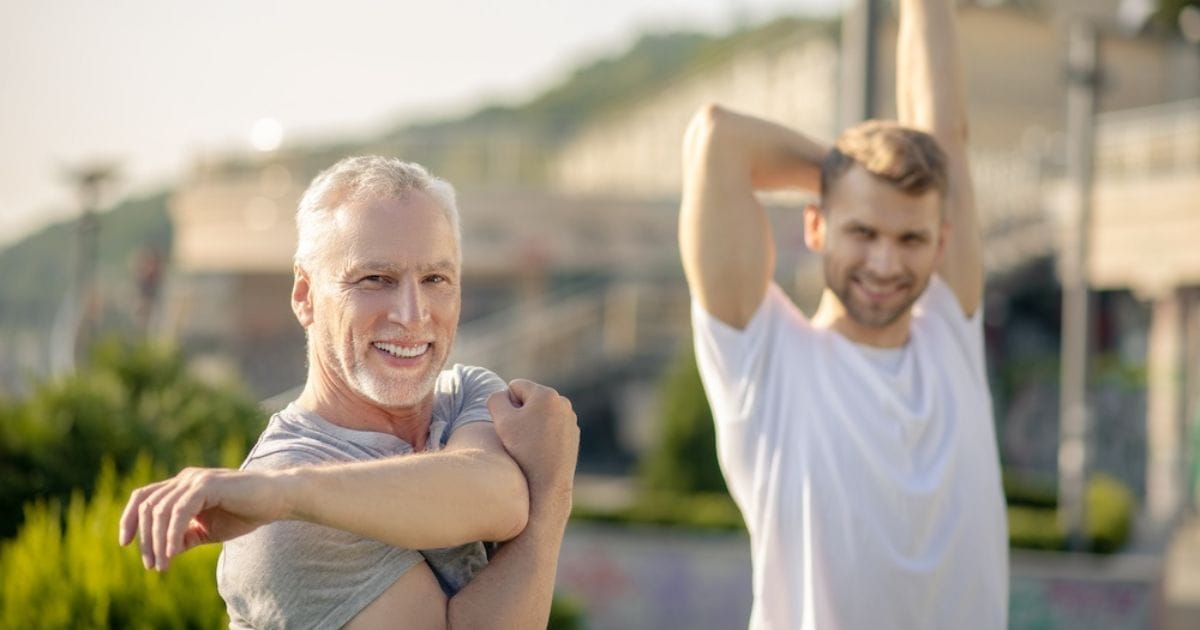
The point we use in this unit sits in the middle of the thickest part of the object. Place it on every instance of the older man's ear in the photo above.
(302, 296)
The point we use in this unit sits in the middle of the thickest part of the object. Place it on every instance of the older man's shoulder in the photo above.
(460, 378)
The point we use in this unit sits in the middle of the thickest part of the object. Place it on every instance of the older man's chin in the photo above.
(389, 394)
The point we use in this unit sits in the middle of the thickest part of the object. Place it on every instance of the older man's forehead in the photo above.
(401, 266)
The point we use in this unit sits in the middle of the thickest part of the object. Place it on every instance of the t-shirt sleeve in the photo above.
(469, 402)
(941, 305)
(292, 574)
(732, 362)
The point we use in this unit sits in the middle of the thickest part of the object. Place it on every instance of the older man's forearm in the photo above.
(516, 589)
(420, 501)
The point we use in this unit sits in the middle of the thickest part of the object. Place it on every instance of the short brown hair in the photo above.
(907, 158)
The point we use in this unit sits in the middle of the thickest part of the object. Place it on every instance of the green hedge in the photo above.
(65, 570)
(698, 510)
(1110, 508)
(684, 459)
(128, 399)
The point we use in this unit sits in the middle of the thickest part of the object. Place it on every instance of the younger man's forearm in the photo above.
(775, 156)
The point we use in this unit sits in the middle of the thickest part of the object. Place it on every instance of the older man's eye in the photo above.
(373, 280)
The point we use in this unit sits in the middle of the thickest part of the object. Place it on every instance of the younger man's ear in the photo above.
(814, 228)
(302, 296)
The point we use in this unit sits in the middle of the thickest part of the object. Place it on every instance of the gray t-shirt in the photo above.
(293, 574)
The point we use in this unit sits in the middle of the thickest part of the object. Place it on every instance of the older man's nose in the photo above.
(409, 305)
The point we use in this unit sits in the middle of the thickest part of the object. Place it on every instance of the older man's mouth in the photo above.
(402, 351)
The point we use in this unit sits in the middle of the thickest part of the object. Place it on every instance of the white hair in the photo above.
(362, 178)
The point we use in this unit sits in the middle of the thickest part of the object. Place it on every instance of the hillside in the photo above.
(35, 273)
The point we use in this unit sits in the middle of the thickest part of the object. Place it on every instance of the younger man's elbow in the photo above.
(703, 130)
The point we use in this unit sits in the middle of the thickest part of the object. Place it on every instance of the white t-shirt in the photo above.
(872, 494)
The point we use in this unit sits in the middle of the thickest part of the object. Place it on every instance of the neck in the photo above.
(338, 404)
(832, 314)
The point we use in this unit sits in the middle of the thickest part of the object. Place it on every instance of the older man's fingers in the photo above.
(153, 513)
(167, 510)
(188, 506)
(129, 517)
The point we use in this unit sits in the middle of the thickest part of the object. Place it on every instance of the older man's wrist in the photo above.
(552, 504)
(290, 485)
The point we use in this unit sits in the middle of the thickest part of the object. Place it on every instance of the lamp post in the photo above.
(1074, 411)
(860, 30)
(90, 181)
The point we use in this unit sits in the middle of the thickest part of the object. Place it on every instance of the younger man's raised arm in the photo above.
(930, 96)
(724, 233)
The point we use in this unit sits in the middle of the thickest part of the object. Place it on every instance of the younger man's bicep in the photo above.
(962, 262)
(728, 255)
(724, 233)
(415, 600)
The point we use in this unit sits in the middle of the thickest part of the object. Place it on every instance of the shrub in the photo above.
(66, 570)
(566, 613)
(697, 510)
(685, 459)
(128, 399)
(1110, 508)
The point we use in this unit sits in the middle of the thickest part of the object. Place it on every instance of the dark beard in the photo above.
(864, 316)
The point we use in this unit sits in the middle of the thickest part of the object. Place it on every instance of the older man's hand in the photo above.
(199, 506)
(539, 429)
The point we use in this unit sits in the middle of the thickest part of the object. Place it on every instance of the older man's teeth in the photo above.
(403, 352)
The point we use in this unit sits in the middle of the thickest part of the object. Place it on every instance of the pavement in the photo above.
(1181, 588)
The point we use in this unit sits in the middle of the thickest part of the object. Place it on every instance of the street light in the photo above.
(73, 334)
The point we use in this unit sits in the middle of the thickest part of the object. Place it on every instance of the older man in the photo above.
(383, 453)
(858, 443)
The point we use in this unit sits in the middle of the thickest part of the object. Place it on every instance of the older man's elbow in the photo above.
(504, 498)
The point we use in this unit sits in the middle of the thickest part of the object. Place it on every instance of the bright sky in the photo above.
(154, 83)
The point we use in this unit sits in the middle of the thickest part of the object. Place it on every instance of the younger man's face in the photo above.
(880, 247)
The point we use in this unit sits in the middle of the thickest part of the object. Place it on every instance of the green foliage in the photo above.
(1110, 508)
(685, 459)
(1167, 12)
(129, 399)
(66, 570)
(680, 481)
(697, 510)
(566, 613)
(1030, 490)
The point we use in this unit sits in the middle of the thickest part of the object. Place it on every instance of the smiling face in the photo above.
(880, 245)
(381, 306)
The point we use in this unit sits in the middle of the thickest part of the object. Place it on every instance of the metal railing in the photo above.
(560, 336)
